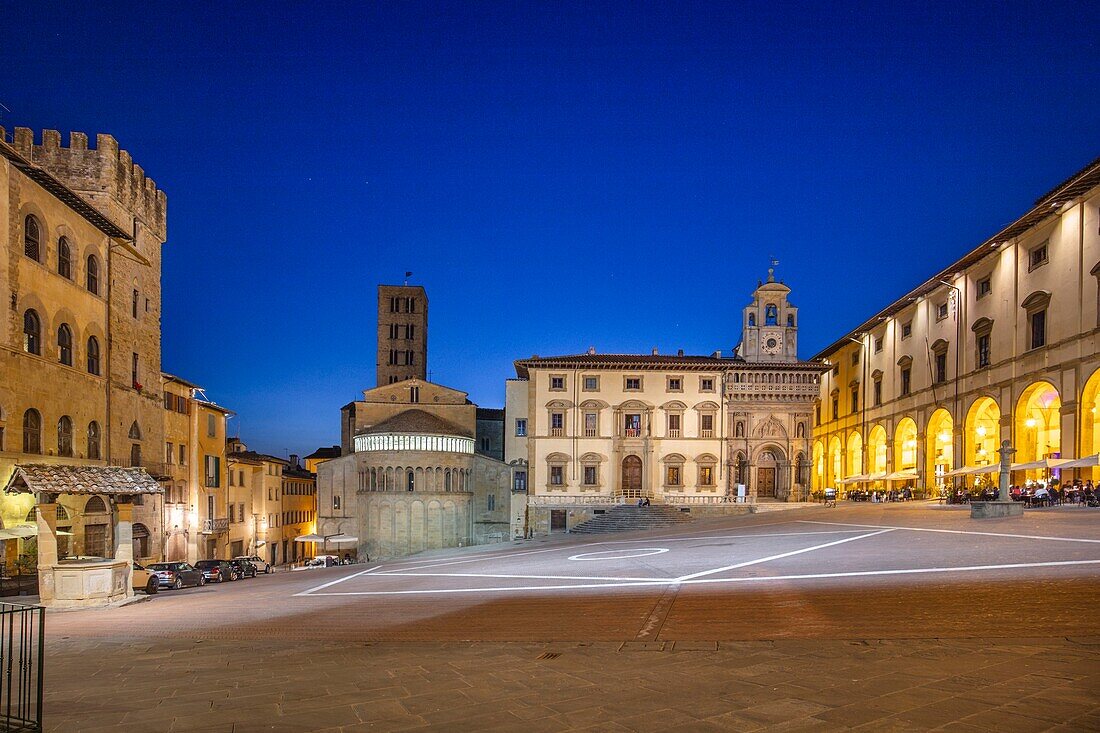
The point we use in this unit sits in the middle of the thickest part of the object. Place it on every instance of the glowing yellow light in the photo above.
(981, 431)
(1030, 422)
(944, 436)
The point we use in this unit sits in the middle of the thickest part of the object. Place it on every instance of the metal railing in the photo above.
(210, 526)
(21, 660)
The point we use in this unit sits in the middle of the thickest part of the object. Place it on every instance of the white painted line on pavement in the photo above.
(731, 536)
(338, 580)
(485, 556)
(953, 531)
(755, 579)
(622, 554)
(526, 577)
(780, 556)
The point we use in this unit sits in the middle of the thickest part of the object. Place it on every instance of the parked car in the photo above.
(177, 574)
(217, 571)
(244, 568)
(145, 580)
(261, 565)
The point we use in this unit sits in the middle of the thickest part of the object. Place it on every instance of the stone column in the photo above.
(45, 516)
(124, 542)
(924, 480)
(1006, 450)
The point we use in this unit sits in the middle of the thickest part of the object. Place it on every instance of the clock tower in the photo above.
(770, 325)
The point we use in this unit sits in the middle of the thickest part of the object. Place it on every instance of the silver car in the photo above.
(261, 565)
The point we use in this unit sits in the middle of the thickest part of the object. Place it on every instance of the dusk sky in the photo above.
(557, 176)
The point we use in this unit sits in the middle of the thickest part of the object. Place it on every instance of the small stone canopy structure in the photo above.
(69, 584)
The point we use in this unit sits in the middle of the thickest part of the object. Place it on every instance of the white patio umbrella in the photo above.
(1085, 462)
(1045, 463)
(342, 539)
(309, 538)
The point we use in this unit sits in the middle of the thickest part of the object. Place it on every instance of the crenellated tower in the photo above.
(108, 179)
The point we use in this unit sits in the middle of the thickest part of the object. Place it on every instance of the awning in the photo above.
(853, 479)
(1043, 464)
(973, 470)
(310, 538)
(877, 477)
(902, 476)
(342, 539)
(1086, 462)
(23, 531)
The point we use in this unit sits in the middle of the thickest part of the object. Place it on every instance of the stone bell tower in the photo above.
(770, 324)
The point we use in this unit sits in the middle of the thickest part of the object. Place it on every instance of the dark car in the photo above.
(217, 571)
(177, 574)
(244, 568)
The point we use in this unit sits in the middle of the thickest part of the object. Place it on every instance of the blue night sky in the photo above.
(558, 176)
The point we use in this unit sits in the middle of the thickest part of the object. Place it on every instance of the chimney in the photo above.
(655, 351)
(294, 460)
(679, 352)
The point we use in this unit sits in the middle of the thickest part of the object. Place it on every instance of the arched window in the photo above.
(771, 315)
(741, 469)
(790, 320)
(65, 436)
(410, 480)
(135, 454)
(93, 440)
(32, 332)
(65, 344)
(64, 259)
(32, 239)
(93, 275)
(141, 540)
(93, 355)
(752, 319)
(95, 505)
(32, 431)
(135, 431)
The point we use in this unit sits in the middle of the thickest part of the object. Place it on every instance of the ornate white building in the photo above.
(584, 431)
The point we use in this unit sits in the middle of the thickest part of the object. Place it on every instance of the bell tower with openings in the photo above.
(770, 324)
(402, 334)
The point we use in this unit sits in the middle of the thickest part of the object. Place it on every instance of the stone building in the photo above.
(80, 258)
(402, 333)
(588, 430)
(490, 432)
(1001, 344)
(409, 478)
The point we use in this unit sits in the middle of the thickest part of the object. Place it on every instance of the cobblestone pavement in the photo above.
(749, 623)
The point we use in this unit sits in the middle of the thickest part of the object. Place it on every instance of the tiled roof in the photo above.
(251, 455)
(649, 362)
(333, 452)
(417, 421)
(53, 479)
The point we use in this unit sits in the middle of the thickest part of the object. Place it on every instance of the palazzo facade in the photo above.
(1002, 344)
(588, 430)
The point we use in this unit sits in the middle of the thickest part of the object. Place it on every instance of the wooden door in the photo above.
(765, 479)
(557, 520)
(95, 540)
(632, 476)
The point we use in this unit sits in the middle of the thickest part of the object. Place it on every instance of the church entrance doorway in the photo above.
(632, 477)
(765, 479)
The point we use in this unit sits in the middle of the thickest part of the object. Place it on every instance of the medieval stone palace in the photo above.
(584, 431)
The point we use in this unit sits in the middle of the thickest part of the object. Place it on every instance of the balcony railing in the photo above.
(632, 432)
(674, 432)
(155, 469)
(557, 432)
(591, 433)
(215, 526)
(706, 433)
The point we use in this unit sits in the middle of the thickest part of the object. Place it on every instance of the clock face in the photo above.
(772, 343)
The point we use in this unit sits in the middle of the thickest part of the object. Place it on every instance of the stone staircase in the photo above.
(633, 519)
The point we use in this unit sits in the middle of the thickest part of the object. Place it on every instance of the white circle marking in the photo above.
(620, 554)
